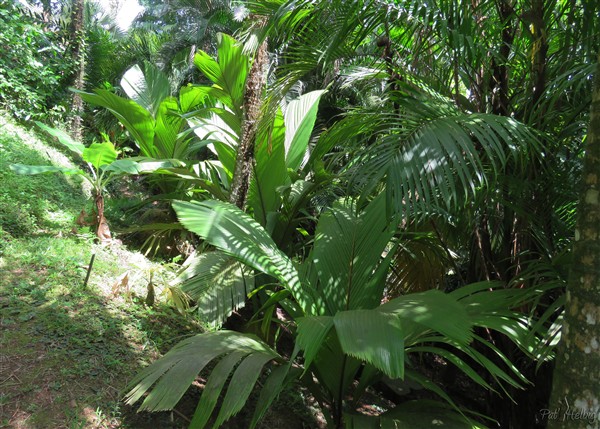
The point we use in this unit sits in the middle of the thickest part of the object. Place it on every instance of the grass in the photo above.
(67, 352)
(45, 202)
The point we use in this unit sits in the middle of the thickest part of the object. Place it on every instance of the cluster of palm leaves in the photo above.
(341, 330)
(439, 168)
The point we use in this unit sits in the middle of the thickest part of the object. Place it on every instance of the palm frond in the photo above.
(234, 232)
(148, 88)
(384, 348)
(431, 310)
(419, 264)
(176, 371)
(346, 267)
(432, 157)
(218, 283)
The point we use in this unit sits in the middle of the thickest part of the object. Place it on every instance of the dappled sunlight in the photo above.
(52, 320)
(360, 212)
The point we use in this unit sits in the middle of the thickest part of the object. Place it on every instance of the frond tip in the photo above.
(241, 359)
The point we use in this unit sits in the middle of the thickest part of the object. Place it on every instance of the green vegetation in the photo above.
(67, 352)
(32, 69)
(61, 198)
(361, 213)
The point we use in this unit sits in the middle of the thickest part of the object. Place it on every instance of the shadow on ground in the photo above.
(67, 354)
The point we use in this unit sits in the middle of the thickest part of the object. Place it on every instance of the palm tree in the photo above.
(576, 376)
(475, 138)
(253, 96)
(78, 55)
(187, 26)
(333, 302)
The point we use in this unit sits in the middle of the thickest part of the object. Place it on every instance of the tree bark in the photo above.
(78, 56)
(252, 105)
(575, 398)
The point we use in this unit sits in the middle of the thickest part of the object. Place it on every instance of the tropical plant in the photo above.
(278, 191)
(103, 168)
(531, 71)
(333, 303)
(153, 119)
(446, 126)
(186, 26)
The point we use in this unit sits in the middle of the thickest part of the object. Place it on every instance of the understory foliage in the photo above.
(343, 332)
(32, 65)
(412, 193)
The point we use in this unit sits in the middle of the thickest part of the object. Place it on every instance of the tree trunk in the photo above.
(78, 56)
(575, 398)
(102, 228)
(252, 106)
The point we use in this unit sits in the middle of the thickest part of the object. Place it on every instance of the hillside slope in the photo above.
(67, 352)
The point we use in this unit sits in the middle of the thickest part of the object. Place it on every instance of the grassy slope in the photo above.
(67, 352)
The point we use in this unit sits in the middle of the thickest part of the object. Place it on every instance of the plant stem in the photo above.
(338, 407)
(89, 270)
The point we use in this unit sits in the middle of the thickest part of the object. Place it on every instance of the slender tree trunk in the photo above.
(252, 106)
(102, 228)
(78, 55)
(575, 398)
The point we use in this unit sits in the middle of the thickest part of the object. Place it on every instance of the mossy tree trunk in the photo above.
(255, 84)
(575, 399)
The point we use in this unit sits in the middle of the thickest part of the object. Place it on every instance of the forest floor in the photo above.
(67, 351)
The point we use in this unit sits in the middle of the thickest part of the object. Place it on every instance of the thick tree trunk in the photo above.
(252, 106)
(575, 399)
(78, 55)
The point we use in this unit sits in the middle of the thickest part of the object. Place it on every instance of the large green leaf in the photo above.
(167, 127)
(270, 172)
(312, 332)
(373, 337)
(141, 165)
(234, 232)
(275, 383)
(100, 154)
(433, 310)
(231, 70)
(41, 169)
(243, 380)
(234, 65)
(224, 139)
(300, 116)
(461, 364)
(63, 138)
(148, 88)
(368, 335)
(134, 117)
(347, 251)
(191, 97)
(214, 386)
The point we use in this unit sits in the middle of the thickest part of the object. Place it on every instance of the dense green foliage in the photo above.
(32, 67)
(412, 193)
